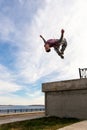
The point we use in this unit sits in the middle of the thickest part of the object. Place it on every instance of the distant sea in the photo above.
(4, 109)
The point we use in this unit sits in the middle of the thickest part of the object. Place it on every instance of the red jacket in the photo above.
(53, 42)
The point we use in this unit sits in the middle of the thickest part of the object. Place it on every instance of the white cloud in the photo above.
(21, 2)
(32, 62)
(5, 74)
(16, 100)
(6, 27)
(8, 87)
(38, 63)
(7, 84)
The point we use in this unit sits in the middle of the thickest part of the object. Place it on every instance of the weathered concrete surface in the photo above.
(65, 85)
(8, 118)
(76, 126)
(66, 98)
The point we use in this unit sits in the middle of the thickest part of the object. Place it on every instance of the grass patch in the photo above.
(45, 123)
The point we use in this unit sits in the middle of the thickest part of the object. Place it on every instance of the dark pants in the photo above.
(64, 45)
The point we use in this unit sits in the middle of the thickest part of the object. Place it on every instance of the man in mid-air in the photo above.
(59, 45)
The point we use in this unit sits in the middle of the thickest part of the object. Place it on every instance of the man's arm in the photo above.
(43, 38)
(62, 34)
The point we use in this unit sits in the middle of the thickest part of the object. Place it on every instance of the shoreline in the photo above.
(15, 117)
(21, 113)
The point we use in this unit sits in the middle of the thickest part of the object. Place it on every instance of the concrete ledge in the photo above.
(65, 85)
(66, 98)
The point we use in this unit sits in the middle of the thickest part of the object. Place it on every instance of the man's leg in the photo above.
(58, 52)
(64, 45)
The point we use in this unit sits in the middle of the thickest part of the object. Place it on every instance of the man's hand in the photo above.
(62, 30)
(41, 36)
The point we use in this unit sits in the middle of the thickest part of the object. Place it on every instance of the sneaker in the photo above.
(62, 56)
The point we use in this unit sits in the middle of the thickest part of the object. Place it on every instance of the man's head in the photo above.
(47, 48)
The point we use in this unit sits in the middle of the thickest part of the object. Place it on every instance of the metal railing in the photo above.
(83, 73)
(19, 110)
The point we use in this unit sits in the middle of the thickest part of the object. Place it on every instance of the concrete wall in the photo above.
(66, 98)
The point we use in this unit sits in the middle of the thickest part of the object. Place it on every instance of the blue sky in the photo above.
(24, 64)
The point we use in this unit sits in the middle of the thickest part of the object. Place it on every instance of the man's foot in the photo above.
(59, 53)
(62, 56)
